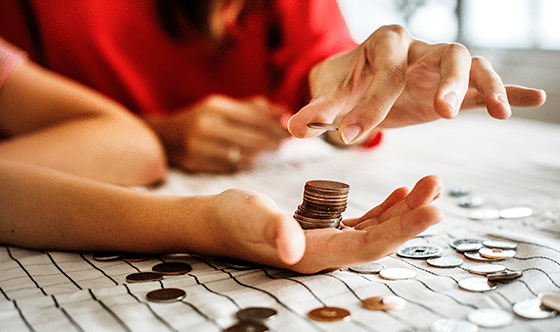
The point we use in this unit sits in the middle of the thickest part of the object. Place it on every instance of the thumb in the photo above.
(322, 109)
(289, 240)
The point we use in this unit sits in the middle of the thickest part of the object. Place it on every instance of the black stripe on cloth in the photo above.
(193, 307)
(298, 282)
(111, 312)
(545, 273)
(213, 291)
(72, 321)
(61, 270)
(528, 287)
(25, 270)
(4, 293)
(158, 317)
(537, 257)
(98, 269)
(25, 321)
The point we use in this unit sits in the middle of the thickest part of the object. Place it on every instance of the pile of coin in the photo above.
(323, 204)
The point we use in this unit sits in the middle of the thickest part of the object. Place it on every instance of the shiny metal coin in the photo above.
(531, 308)
(464, 247)
(475, 255)
(506, 275)
(247, 327)
(323, 126)
(459, 241)
(459, 191)
(397, 274)
(485, 214)
(238, 264)
(172, 268)
(550, 300)
(107, 256)
(420, 252)
(516, 212)
(496, 253)
(471, 202)
(486, 268)
(256, 314)
(329, 314)
(490, 317)
(135, 257)
(328, 185)
(453, 325)
(478, 285)
(384, 303)
(500, 245)
(166, 295)
(368, 268)
(144, 277)
(445, 261)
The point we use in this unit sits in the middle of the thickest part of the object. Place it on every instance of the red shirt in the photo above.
(119, 48)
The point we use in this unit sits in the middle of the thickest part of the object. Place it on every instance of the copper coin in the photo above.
(135, 257)
(144, 277)
(550, 300)
(256, 314)
(384, 303)
(172, 268)
(166, 295)
(329, 314)
(328, 185)
(247, 327)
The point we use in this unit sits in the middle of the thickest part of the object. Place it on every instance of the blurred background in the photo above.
(520, 37)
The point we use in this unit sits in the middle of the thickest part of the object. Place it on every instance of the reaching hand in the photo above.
(392, 80)
(221, 134)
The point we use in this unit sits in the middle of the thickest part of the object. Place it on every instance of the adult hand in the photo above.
(392, 80)
(221, 134)
(257, 230)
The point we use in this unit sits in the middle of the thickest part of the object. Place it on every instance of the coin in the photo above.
(420, 252)
(551, 301)
(516, 212)
(323, 126)
(500, 245)
(496, 253)
(464, 247)
(384, 303)
(329, 314)
(490, 317)
(107, 256)
(256, 314)
(172, 268)
(471, 201)
(371, 268)
(324, 201)
(459, 191)
(486, 268)
(166, 295)
(485, 214)
(459, 241)
(247, 327)
(144, 277)
(478, 285)
(531, 308)
(506, 275)
(445, 261)
(135, 257)
(452, 325)
(397, 274)
(475, 255)
(238, 264)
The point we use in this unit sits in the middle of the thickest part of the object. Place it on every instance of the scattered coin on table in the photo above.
(490, 318)
(550, 300)
(455, 242)
(260, 314)
(516, 212)
(368, 268)
(504, 245)
(504, 276)
(475, 255)
(247, 327)
(384, 303)
(531, 308)
(397, 274)
(172, 268)
(329, 314)
(486, 268)
(165, 295)
(144, 277)
(477, 285)
(452, 325)
(445, 261)
(107, 256)
(471, 202)
(419, 252)
(459, 191)
(485, 214)
(496, 253)
(323, 203)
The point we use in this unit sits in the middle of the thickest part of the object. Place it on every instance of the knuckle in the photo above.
(457, 47)
(393, 30)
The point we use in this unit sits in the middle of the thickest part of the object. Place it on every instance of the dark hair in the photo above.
(195, 11)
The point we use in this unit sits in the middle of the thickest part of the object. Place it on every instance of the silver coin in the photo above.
(475, 255)
(471, 202)
(247, 327)
(445, 261)
(397, 274)
(485, 214)
(490, 317)
(531, 308)
(459, 191)
(486, 268)
(506, 275)
(368, 268)
(256, 314)
(500, 245)
(323, 126)
(550, 300)
(516, 212)
(453, 325)
(478, 285)
(459, 241)
(420, 252)
(172, 268)
(165, 295)
(144, 277)
(107, 256)
(496, 253)
(464, 247)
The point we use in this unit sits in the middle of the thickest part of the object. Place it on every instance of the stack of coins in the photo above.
(323, 204)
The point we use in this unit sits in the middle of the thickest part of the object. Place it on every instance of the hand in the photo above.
(392, 80)
(257, 230)
(220, 134)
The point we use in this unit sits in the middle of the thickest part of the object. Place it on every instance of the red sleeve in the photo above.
(312, 31)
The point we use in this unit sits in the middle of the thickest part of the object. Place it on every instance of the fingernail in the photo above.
(350, 133)
(452, 100)
(503, 99)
